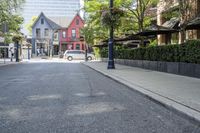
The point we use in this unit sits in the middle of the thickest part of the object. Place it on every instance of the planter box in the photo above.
(126, 62)
(146, 64)
(134, 63)
(173, 67)
(153, 65)
(162, 66)
(197, 70)
(140, 63)
(187, 69)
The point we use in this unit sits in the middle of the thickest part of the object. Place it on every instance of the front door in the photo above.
(55, 50)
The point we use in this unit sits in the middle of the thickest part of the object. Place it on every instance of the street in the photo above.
(69, 97)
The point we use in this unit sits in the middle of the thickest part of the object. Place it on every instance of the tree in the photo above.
(98, 19)
(30, 24)
(138, 10)
(130, 17)
(9, 18)
(184, 17)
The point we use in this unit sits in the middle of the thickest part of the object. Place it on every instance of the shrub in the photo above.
(188, 52)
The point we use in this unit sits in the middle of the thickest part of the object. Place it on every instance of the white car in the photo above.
(77, 55)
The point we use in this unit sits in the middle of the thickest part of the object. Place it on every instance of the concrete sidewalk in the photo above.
(7, 62)
(174, 91)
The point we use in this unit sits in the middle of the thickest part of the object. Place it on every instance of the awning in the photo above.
(194, 24)
(156, 30)
(173, 23)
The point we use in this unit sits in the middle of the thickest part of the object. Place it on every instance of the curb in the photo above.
(14, 63)
(178, 108)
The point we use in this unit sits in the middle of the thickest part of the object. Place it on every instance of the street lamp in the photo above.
(111, 64)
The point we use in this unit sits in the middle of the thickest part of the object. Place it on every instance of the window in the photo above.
(73, 33)
(42, 21)
(77, 22)
(77, 46)
(64, 34)
(46, 32)
(55, 36)
(38, 33)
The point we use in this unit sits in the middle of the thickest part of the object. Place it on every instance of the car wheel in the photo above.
(69, 58)
(89, 58)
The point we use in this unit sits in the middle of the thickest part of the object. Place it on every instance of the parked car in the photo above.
(77, 55)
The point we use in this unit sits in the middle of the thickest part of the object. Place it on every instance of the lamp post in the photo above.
(17, 51)
(111, 64)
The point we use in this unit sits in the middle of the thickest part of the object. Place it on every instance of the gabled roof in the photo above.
(64, 22)
(75, 17)
(58, 22)
(52, 24)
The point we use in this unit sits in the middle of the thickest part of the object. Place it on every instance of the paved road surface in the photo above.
(71, 98)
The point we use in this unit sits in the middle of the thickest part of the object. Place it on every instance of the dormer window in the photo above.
(42, 21)
(77, 21)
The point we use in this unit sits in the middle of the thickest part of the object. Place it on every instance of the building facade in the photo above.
(51, 8)
(70, 36)
(44, 34)
(53, 36)
(169, 10)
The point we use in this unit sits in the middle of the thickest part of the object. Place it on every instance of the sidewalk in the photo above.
(174, 91)
(7, 62)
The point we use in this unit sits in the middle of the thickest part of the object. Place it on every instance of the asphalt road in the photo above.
(72, 98)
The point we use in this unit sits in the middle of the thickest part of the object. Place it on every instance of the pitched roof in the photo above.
(194, 23)
(156, 30)
(75, 17)
(173, 23)
(58, 22)
(52, 24)
(63, 22)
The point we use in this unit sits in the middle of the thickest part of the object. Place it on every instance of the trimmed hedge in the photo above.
(188, 52)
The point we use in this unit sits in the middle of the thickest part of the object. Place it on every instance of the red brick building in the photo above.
(70, 36)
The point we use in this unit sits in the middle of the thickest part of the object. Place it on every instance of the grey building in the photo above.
(44, 34)
(51, 8)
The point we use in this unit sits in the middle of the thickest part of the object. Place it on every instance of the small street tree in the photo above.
(10, 21)
(184, 9)
(30, 24)
(138, 10)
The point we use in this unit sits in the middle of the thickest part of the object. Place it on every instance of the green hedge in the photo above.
(188, 52)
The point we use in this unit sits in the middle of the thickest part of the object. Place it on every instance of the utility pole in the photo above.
(111, 64)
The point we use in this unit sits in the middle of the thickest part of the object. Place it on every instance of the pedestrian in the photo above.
(38, 52)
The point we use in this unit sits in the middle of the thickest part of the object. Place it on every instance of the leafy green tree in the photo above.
(10, 18)
(30, 24)
(129, 17)
(138, 9)
(184, 9)
(98, 19)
